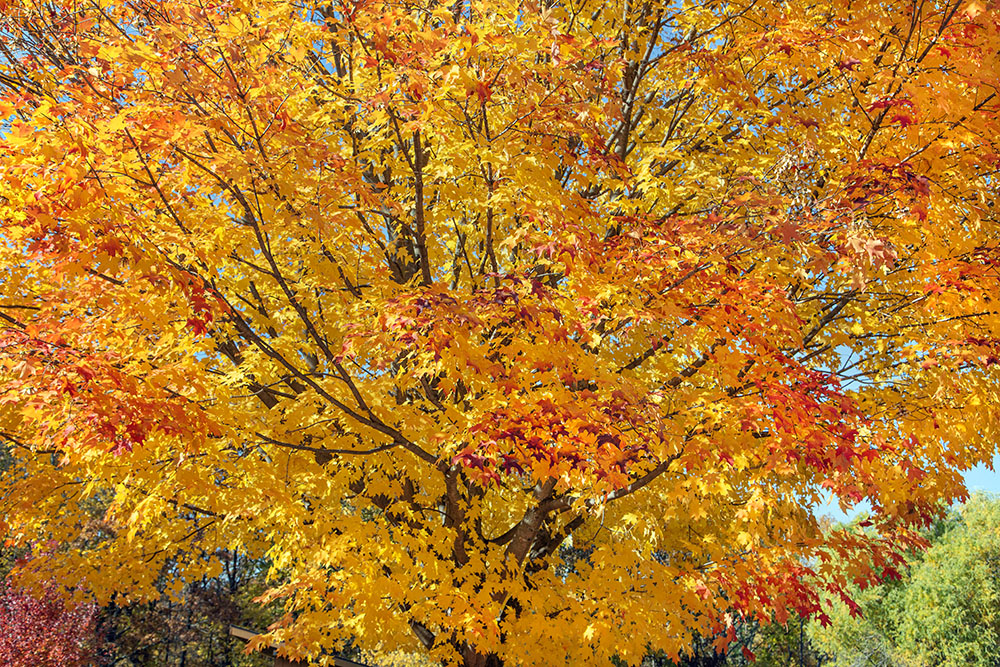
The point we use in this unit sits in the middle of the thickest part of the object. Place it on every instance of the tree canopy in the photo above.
(506, 331)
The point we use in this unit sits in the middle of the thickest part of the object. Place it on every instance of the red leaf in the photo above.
(902, 119)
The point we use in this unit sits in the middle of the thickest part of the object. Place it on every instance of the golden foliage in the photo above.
(409, 297)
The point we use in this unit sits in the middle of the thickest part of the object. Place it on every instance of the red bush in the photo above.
(45, 631)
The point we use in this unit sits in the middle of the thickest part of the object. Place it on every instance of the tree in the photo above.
(408, 296)
(942, 611)
(42, 630)
(951, 598)
(866, 639)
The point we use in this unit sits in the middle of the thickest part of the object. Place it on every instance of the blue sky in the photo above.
(979, 478)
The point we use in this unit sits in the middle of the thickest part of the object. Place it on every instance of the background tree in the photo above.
(951, 599)
(188, 624)
(777, 645)
(942, 612)
(44, 630)
(754, 644)
(404, 296)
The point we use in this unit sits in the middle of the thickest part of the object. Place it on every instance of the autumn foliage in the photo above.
(506, 331)
(44, 630)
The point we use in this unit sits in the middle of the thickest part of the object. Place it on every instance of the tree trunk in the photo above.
(472, 658)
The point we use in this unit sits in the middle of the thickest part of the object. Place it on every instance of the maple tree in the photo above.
(411, 297)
